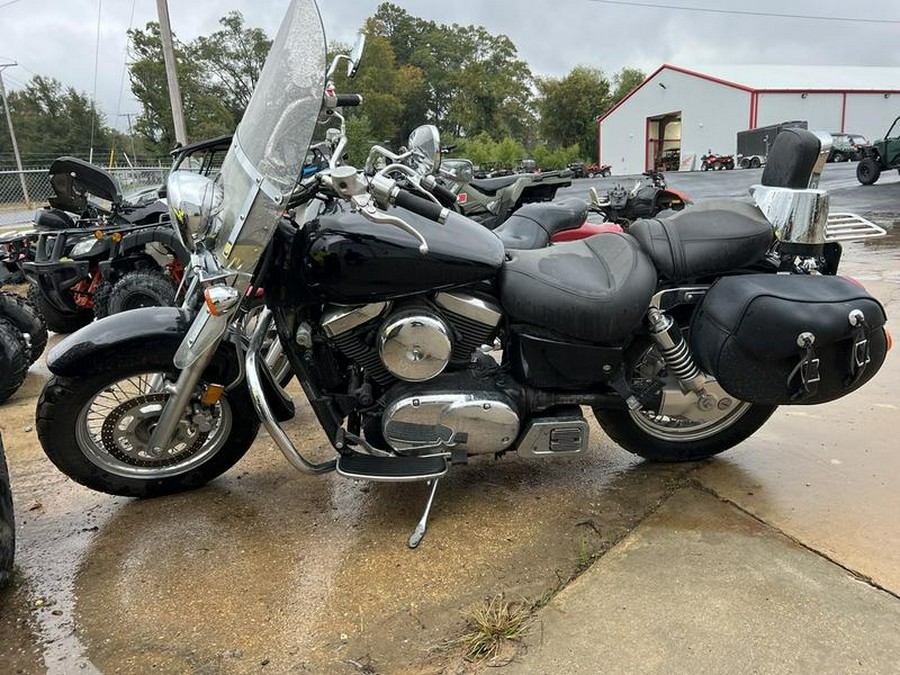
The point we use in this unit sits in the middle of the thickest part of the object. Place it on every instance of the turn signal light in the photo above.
(220, 299)
(212, 394)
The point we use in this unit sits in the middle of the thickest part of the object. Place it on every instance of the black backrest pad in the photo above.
(705, 239)
(791, 159)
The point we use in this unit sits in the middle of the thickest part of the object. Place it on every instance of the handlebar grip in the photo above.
(423, 207)
(348, 100)
(443, 195)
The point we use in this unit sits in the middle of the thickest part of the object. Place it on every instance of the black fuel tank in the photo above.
(351, 260)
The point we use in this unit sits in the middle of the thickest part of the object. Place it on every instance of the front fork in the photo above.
(193, 356)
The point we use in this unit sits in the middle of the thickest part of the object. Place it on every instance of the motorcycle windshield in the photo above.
(268, 149)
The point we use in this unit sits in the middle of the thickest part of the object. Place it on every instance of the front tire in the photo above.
(7, 522)
(868, 171)
(13, 359)
(141, 288)
(21, 313)
(92, 428)
(57, 321)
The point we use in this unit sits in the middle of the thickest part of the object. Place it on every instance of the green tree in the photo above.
(569, 107)
(231, 60)
(52, 120)
(625, 82)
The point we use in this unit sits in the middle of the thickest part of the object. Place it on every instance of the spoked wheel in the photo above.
(685, 432)
(96, 429)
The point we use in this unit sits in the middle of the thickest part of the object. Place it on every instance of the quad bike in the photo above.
(648, 197)
(15, 248)
(716, 162)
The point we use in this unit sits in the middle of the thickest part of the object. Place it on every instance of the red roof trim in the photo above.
(677, 69)
(742, 87)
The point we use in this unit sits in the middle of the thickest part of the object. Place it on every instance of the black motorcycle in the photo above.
(419, 341)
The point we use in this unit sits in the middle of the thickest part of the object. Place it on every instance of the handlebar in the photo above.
(349, 100)
(443, 195)
(407, 200)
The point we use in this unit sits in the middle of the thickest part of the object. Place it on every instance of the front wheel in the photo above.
(868, 171)
(675, 437)
(95, 429)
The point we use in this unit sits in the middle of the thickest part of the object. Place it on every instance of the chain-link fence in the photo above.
(15, 210)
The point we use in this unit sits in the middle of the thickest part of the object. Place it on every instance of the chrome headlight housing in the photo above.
(194, 205)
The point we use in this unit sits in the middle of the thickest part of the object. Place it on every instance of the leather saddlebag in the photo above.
(789, 339)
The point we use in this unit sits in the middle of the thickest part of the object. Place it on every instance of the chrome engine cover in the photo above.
(415, 345)
(475, 421)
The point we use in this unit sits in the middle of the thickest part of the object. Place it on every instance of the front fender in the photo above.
(80, 353)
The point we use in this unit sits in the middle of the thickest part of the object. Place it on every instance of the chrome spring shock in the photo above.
(675, 350)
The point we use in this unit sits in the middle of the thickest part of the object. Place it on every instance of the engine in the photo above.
(418, 351)
(414, 340)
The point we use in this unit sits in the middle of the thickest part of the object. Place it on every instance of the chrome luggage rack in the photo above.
(851, 227)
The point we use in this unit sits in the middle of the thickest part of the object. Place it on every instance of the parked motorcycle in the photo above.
(681, 334)
(490, 201)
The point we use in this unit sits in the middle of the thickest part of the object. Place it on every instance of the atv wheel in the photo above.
(101, 298)
(142, 288)
(837, 157)
(868, 171)
(704, 167)
(23, 315)
(7, 522)
(55, 320)
(755, 163)
(13, 359)
(590, 174)
(730, 165)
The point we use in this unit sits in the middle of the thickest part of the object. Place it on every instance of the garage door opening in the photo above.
(664, 142)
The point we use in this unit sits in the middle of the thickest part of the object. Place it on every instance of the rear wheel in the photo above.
(868, 171)
(95, 429)
(755, 163)
(676, 438)
(21, 313)
(13, 359)
(142, 288)
(606, 173)
(837, 157)
(57, 321)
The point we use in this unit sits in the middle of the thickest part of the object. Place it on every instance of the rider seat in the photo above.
(490, 186)
(595, 289)
(706, 239)
(533, 225)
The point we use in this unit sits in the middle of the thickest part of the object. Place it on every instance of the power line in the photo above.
(10, 2)
(743, 12)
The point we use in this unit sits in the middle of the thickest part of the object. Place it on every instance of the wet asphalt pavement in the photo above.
(268, 570)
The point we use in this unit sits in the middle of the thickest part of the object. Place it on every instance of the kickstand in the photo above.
(416, 537)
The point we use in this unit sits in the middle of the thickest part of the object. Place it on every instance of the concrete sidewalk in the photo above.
(733, 596)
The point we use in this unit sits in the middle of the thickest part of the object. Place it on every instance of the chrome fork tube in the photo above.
(176, 403)
(257, 395)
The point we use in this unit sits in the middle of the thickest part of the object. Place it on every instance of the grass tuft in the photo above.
(492, 625)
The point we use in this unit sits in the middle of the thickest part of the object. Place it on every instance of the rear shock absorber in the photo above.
(675, 350)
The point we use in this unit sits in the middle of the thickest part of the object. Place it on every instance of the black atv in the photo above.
(96, 252)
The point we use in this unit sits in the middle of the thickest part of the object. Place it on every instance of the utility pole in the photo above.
(165, 30)
(12, 135)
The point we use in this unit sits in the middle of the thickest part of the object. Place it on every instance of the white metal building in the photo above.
(699, 110)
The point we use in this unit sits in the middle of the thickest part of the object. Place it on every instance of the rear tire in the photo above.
(101, 299)
(142, 288)
(64, 417)
(755, 163)
(7, 522)
(13, 359)
(837, 157)
(660, 438)
(24, 316)
(606, 173)
(55, 320)
(868, 171)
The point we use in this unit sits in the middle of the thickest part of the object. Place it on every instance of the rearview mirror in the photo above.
(425, 147)
(356, 55)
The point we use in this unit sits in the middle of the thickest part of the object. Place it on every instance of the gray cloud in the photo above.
(57, 37)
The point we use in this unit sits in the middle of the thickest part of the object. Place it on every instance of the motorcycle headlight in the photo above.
(194, 202)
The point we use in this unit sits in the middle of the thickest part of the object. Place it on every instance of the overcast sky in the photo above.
(58, 37)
